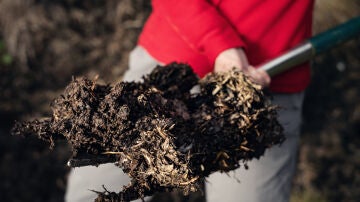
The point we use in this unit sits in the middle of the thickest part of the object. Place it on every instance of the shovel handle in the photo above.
(312, 47)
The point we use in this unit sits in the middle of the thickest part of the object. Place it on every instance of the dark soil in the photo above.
(163, 137)
(51, 41)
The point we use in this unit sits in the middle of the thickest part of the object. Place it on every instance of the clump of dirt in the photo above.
(235, 120)
(159, 133)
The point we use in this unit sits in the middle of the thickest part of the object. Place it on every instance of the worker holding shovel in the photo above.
(218, 35)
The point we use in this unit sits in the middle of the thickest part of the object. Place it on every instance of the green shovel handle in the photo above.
(312, 47)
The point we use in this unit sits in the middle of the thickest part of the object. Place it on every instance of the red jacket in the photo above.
(196, 31)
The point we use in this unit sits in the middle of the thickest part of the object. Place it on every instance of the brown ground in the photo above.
(49, 41)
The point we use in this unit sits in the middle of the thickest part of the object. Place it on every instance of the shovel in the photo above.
(312, 47)
(300, 54)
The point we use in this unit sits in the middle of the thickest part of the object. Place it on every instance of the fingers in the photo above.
(258, 76)
(235, 57)
(264, 77)
(230, 58)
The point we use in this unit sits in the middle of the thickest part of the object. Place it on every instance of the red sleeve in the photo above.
(200, 25)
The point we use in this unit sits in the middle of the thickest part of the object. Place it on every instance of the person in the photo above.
(217, 35)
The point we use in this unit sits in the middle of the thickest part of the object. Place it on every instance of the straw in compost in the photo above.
(160, 134)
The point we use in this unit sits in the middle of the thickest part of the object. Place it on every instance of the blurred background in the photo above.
(44, 43)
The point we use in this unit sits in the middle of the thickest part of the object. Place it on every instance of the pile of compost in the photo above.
(158, 132)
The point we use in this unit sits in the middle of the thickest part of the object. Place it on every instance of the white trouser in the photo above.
(268, 179)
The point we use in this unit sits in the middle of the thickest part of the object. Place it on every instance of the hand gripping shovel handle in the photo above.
(293, 57)
(312, 47)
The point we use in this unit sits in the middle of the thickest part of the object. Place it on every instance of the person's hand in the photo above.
(235, 57)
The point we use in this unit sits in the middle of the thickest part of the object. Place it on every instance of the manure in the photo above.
(160, 134)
